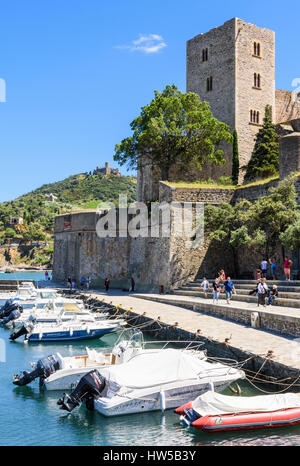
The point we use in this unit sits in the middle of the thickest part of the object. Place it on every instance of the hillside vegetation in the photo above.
(34, 237)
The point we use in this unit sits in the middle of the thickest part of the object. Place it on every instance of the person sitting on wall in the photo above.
(257, 273)
(222, 276)
(272, 295)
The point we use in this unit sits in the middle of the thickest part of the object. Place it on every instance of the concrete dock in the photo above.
(280, 354)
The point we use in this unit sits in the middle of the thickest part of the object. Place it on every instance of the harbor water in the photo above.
(30, 416)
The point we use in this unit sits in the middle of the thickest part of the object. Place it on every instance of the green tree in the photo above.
(235, 159)
(174, 126)
(271, 220)
(10, 233)
(265, 157)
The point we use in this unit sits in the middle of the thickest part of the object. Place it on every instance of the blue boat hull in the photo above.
(65, 336)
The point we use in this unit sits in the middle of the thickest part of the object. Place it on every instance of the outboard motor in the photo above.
(13, 315)
(42, 369)
(24, 330)
(8, 307)
(89, 387)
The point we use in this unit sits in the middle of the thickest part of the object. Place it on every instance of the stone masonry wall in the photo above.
(287, 108)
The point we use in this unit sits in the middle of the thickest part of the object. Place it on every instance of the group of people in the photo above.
(261, 271)
(220, 284)
(265, 295)
(83, 283)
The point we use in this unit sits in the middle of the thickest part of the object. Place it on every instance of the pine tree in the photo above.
(265, 157)
(235, 159)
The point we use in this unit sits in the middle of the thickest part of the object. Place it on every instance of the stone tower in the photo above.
(233, 68)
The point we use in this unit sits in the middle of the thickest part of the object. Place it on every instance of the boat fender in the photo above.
(211, 384)
(87, 329)
(162, 400)
(236, 390)
(40, 335)
(71, 332)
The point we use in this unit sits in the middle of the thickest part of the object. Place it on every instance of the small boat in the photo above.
(63, 373)
(156, 380)
(57, 372)
(66, 331)
(213, 412)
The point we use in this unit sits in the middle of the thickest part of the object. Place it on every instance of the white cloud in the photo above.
(150, 43)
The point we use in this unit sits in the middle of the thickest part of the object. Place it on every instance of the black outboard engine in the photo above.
(13, 315)
(8, 307)
(24, 330)
(89, 387)
(43, 368)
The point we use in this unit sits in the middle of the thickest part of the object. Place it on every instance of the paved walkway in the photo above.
(255, 341)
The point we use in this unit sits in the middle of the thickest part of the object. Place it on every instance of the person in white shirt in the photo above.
(205, 286)
(264, 266)
(262, 290)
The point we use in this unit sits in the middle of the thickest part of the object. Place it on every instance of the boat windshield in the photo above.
(135, 337)
(48, 294)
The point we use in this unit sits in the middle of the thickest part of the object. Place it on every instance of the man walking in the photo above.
(228, 288)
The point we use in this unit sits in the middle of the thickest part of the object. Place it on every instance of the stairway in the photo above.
(288, 292)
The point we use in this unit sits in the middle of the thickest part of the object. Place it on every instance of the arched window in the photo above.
(209, 84)
(256, 80)
(204, 54)
(256, 49)
(257, 117)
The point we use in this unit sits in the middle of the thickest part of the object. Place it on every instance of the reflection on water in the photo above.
(30, 415)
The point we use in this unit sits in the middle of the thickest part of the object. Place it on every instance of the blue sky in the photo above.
(78, 72)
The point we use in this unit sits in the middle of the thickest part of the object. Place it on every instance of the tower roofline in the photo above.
(226, 23)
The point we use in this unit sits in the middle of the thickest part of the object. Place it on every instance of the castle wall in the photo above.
(287, 107)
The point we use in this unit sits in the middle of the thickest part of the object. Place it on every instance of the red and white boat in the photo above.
(213, 412)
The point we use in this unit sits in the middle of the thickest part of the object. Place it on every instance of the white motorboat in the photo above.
(73, 330)
(70, 369)
(150, 381)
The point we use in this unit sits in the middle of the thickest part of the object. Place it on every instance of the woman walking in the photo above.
(287, 268)
(216, 290)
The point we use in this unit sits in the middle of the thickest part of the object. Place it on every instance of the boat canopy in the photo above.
(212, 403)
(155, 368)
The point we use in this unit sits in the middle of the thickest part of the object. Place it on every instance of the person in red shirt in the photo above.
(106, 284)
(287, 268)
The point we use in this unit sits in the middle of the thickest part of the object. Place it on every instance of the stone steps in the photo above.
(283, 292)
(286, 302)
(285, 283)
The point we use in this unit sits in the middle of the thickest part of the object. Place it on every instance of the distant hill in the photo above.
(37, 210)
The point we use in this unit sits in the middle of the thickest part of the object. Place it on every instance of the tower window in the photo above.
(257, 80)
(204, 54)
(254, 116)
(256, 49)
(209, 84)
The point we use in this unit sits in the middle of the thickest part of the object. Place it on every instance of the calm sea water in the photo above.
(23, 276)
(30, 416)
